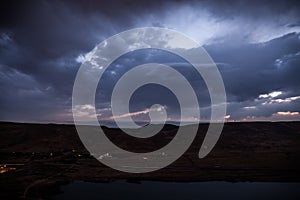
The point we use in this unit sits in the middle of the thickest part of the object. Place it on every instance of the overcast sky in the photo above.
(255, 44)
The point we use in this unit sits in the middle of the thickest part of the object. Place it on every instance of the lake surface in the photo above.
(153, 190)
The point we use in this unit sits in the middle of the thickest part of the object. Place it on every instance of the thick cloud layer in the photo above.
(256, 46)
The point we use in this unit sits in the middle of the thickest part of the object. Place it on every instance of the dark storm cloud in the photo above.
(271, 66)
(23, 98)
(254, 69)
(256, 8)
(40, 41)
(248, 71)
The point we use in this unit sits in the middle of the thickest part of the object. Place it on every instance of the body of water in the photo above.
(153, 190)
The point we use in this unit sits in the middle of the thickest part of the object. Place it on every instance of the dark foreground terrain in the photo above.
(36, 159)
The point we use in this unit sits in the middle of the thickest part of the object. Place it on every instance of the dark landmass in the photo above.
(36, 159)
